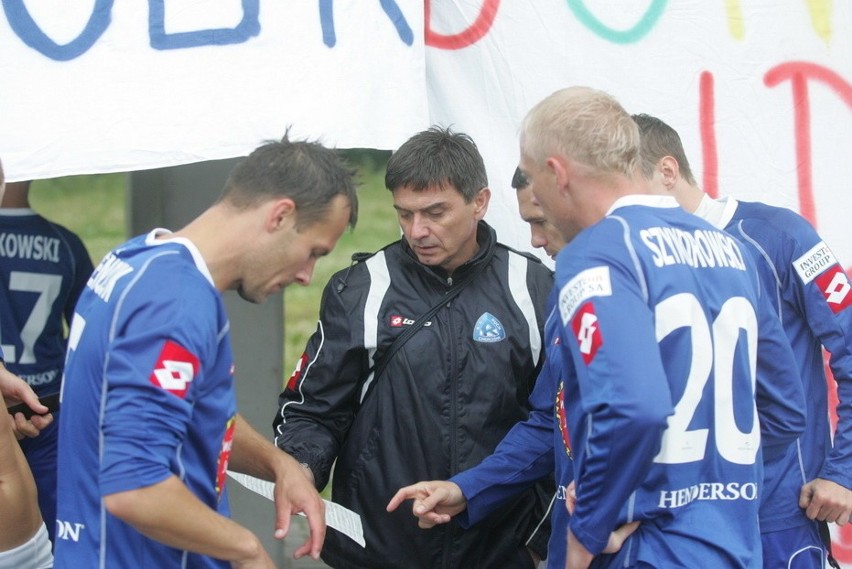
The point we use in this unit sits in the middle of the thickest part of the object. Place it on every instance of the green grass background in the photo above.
(94, 207)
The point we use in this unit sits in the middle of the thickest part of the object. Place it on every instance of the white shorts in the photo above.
(34, 554)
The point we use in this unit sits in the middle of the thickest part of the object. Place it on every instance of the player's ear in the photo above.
(480, 202)
(280, 213)
(560, 169)
(670, 171)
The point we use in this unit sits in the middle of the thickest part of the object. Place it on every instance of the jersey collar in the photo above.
(644, 200)
(200, 264)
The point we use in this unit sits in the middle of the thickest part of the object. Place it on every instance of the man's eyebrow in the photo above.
(433, 206)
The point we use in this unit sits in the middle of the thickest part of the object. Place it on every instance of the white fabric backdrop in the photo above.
(761, 92)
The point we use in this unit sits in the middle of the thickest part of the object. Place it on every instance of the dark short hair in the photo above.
(657, 139)
(304, 171)
(438, 156)
(519, 179)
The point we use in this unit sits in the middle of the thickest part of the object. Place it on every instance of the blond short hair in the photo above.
(586, 125)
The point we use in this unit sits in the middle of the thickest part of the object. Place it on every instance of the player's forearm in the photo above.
(524, 456)
(169, 513)
(254, 455)
(578, 556)
(838, 463)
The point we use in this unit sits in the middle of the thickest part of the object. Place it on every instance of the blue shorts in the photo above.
(795, 548)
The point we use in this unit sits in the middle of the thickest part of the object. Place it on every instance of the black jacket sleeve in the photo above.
(319, 402)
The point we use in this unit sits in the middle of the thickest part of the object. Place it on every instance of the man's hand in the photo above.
(619, 536)
(15, 390)
(826, 501)
(616, 538)
(255, 455)
(571, 498)
(295, 493)
(435, 502)
(31, 427)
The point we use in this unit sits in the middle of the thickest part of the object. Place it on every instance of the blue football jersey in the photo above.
(532, 449)
(43, 268)
(812, 295)
(665, 325)
(147, 393)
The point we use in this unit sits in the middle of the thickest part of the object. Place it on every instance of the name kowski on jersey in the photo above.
(30, 247)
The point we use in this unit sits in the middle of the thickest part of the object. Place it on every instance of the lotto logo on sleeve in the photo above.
(587, 332)
(175, 369)
(297, 373)
(836, 289)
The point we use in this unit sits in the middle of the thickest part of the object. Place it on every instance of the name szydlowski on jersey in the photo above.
(700, 248)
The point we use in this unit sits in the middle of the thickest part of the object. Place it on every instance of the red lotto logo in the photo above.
(587, 331)
(297, 373)
(175, 369)
(835, 287)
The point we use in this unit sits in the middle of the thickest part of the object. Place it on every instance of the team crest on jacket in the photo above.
(488, 329)
(175, 369)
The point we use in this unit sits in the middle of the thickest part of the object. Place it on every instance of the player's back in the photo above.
(812, 297)
(43, 269)
(676, 322)
(707, 472)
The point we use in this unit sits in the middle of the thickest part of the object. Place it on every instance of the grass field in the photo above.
(94, 208)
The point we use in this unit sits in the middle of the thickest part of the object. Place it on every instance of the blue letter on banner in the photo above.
(248, 27)
(390, 7)
(30, 33)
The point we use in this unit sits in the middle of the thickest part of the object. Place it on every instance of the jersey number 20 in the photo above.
(713, 350)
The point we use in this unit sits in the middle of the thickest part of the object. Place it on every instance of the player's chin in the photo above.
(252, 296)
(429, 259)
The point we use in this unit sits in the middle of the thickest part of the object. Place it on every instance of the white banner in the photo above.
(760, 91)
(102, 86)
(760, 94)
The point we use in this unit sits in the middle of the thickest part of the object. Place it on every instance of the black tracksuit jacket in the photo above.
(443, 403)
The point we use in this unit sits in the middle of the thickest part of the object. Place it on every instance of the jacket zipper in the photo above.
(453, 422)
